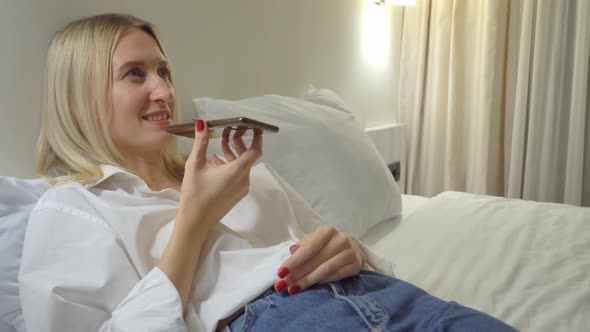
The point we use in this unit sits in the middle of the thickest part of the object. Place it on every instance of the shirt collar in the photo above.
(109, 171)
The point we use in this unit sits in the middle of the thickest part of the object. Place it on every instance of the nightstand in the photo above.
(390, 140)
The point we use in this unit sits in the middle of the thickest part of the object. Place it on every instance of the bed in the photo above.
(526, 263)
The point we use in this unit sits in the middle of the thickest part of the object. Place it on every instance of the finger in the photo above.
(257, 140)
(201, 143)
(344, 272)
(217, 161)
(310, 245)
(227, 151)
(294, 248)
(256, 143)
(252, 154)
(225, 133)
(239, 141)
(328, 270)
(322, 261)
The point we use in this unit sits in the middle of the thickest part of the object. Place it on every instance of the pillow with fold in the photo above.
(323, 153)
(17, 198)
(325, 97)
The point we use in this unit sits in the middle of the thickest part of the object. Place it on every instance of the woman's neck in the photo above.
(153, 171)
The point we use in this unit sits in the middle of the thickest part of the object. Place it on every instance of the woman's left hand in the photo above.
(322, 256)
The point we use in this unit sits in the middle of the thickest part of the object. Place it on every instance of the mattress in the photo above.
(526, 263)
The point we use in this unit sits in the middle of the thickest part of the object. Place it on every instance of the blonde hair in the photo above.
(74, 139)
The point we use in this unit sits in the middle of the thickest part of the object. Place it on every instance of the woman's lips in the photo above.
(159, 118)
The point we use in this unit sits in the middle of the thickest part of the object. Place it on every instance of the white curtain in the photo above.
(495, 94)
(550, 146)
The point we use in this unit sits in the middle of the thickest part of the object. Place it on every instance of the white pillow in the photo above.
(325, 97)
(17, 198)
(324, 154)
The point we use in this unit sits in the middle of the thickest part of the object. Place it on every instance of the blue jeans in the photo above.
(365, 302)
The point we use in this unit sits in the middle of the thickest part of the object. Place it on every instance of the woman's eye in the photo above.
(134, 72)
(164, 72)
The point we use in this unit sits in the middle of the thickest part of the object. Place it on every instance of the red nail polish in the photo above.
(294, 289)
(280, 285)
(200, 125)
(283, 272)
(293, 248)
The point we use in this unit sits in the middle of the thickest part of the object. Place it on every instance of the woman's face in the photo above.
(143, 97)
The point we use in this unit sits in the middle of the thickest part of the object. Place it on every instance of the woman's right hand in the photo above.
(211, 188)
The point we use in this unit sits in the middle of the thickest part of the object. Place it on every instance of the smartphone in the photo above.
(216, 127)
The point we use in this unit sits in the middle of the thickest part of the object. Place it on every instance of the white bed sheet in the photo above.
(410, 203)
(525, 263)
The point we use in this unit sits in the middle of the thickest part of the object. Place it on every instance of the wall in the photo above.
(218, 48)
(26, 28)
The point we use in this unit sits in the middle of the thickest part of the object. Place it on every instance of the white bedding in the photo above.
(524, 262)
(410, 203)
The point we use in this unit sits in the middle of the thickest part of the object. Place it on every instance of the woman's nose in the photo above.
(162, 91)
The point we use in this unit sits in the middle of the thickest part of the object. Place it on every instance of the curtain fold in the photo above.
(495, 94)
(413, 63)
(451, 71)
(578, 139)
(548, 158)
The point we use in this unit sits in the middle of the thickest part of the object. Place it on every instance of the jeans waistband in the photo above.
(222, 323)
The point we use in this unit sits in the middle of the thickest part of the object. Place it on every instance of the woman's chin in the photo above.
(155, 145)
(164, 142)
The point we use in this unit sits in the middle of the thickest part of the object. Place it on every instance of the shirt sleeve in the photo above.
(75, 275)
(309, 220)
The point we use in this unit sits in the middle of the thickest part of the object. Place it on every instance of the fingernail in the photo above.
(294, 289)
(280, 285)
(283, 272)
(293, 248)
(200, 124)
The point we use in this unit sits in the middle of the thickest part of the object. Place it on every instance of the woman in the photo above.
(135, 238)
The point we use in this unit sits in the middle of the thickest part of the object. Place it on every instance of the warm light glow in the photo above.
(376, 36)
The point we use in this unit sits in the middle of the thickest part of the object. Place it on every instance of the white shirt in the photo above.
(90, 255)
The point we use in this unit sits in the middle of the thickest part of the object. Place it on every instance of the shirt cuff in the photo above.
(154, 304)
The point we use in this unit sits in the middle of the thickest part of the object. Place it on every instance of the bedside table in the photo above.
(390, 140)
